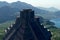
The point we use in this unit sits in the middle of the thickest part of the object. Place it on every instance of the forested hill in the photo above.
(9, 11)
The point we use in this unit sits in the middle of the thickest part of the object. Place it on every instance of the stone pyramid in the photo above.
(27, 27)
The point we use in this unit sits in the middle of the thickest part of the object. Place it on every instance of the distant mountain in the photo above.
(51, 9)
(3, 3)
(57, 14)
(9, 11)
(21, 5)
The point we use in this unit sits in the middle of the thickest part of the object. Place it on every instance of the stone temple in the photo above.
(27, 27)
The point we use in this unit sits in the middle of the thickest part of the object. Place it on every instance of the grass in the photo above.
(56, 34)
(3, 26)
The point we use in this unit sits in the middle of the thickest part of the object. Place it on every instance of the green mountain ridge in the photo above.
(8, 11)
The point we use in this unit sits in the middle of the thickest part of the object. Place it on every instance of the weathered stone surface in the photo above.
(27, 27)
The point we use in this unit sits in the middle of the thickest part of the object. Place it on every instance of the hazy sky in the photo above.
(41, 3)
